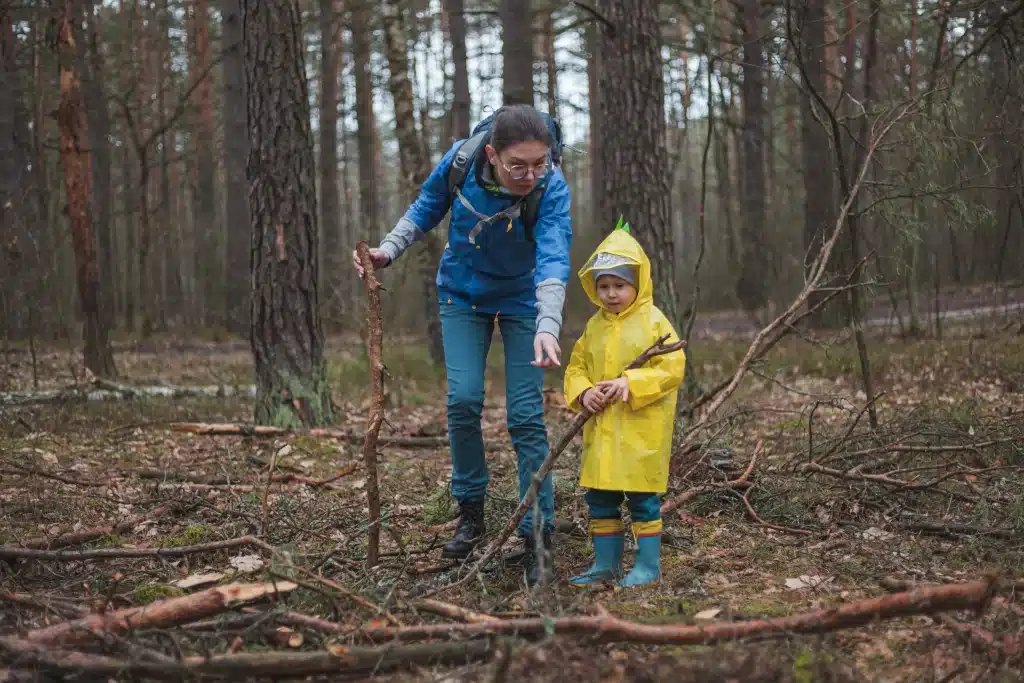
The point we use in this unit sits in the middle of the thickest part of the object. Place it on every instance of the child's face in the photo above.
(615, 293)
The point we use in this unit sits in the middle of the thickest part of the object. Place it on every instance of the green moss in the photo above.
(803, 667)
(193, 534)
(277, 407)
(110, 541)
(152, 592)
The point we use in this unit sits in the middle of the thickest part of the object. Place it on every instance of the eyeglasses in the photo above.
(519, 171)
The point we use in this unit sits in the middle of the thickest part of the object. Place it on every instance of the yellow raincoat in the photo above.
(627, 446)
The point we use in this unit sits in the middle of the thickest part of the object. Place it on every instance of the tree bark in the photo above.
(287, 336)
(208, 272)
(819, 182)
(369, 199)
(517, 52)
(632, 111)
(76, 158)
(99, 129)
(460, 84)
(753, 283)
(236, 148)
(330, 201)
(550, 65)
(415, 162)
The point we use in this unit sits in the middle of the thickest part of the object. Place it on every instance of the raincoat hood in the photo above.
(623, 245)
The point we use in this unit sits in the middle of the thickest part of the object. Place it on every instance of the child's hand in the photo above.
(594, 400)
(615, 389)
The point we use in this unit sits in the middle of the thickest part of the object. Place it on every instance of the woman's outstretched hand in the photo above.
(379, 257)
(545, 351)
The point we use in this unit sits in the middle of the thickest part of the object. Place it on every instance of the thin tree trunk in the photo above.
(754, 280)
(207, 271)
(817, 158)
(369, 199)
(415, 162)
(330, 202)
(74, 152)
(460, 83)
(236, 187)
(287, 337)
(632, 101)
(517, 51)
(551, 66)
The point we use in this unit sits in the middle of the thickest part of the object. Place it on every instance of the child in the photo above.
(627, 443)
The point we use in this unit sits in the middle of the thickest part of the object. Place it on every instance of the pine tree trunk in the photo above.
(236, 187)
(99, 129)
(74, 152)
(330, 202)
(287, 337)
(819, 184)
(461, 126)
(754, 281)
(632, 103)
(369, 199)
(208, 270)
(517, 52)
(415, 161)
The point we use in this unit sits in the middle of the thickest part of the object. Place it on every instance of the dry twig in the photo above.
(374, 344)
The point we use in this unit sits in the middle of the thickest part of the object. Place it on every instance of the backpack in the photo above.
(473, 146)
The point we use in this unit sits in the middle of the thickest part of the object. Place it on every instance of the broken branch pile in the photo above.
(68, 645)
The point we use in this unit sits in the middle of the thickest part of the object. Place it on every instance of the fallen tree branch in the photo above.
(374, 346)
(161, 614)
(352, 595)
(338, 660)
(71, 538)
(102, 390)
(446, 609)
(658, 348)
(672, 504)
(266, 431)
(221, 481)
(925, 600)
(901, 484)
(757, 518)
(12, 553)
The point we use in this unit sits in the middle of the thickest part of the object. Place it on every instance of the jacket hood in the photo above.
(621, 243)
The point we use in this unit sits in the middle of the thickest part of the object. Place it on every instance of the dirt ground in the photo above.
(934, 494)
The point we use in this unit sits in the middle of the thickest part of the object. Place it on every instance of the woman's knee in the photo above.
(465, 400)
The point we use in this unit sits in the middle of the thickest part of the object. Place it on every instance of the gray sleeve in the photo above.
(401, 237)
(550, 299)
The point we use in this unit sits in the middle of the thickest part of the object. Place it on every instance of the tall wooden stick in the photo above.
(658, 348)
(374, 345)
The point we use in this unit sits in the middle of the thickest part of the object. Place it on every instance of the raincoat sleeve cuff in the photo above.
(550, 299)
(402, 236)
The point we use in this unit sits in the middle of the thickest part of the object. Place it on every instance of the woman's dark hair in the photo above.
(517, 123)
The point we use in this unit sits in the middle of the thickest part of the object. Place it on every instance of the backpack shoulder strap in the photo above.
(464, 156)
(531, 206)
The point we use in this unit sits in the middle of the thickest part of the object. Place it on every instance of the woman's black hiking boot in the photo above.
(468, 533)
(539, 562)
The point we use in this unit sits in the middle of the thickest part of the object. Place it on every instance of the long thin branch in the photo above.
(11, 553)
(924, 600)
(374, 345)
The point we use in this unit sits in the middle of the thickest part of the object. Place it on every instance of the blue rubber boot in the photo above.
(607, 560)
(647, 567)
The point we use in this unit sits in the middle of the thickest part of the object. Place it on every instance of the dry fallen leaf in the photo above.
(246, 563)
(199, 580)
(805, 581)
(707, 614)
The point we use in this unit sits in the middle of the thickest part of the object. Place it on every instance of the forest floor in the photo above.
(937, 497)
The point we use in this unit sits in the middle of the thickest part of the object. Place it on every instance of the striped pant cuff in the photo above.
(647, 528)
(606, 527)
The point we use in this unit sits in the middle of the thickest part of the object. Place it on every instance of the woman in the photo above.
(497, 269)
